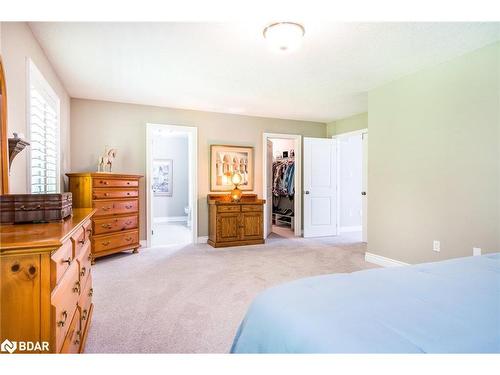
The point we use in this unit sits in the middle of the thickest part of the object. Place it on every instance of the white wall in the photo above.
(350, 176)
(19, 44)
(175, 148)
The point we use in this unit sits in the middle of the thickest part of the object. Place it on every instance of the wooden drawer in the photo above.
(251, 207)
(60, 261)
(228, 208)
(63, 301)
(71, 344)
(78, 240)
(111, 241)
(87, 227)
(114, 193)
(114, 182)
(85, 301)
(115, 224)
(84, 260)
(115, 207)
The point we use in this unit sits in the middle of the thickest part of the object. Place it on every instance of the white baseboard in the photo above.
(357, 228)
(143, 243)
(169, 219)
(383, 261)
(202, 239)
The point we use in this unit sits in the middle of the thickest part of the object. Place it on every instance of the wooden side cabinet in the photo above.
(235, 223)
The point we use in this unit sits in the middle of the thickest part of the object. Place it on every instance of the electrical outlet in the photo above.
(476, 251)
(436, 246)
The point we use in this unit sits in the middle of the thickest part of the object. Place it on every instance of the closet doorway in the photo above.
(282, 184)
(171, 157)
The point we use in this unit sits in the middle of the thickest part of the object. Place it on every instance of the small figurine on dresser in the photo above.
(106, 160)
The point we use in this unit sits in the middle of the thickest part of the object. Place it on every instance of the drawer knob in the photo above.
(106, 208)
(104, 182)
(82, 273)
(78, 336)
(105, 243)
(62, 322)
(76, 288)
(128, 222)
(66, 261)
(106, 226)
(128, 206)
(91, 292)
(128, 239)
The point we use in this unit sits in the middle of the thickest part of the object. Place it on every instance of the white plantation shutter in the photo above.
(44, 134)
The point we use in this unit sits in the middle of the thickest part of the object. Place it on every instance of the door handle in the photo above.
(306, 192)
(363, 193)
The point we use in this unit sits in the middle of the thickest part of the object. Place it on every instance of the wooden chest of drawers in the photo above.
(116, 198)
(235, 223)
(46, 284)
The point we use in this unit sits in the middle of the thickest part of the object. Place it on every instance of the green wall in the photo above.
(349, 124)
(434, 161)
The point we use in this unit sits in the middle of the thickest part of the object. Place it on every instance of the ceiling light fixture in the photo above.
(284, 36)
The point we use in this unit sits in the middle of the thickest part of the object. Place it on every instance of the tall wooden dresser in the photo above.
(116, 198)
(235, 223)
(46, 285)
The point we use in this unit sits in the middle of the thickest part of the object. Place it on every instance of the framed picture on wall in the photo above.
(227, 160)
(163, 180)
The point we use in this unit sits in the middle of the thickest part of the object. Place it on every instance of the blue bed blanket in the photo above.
(451, 306)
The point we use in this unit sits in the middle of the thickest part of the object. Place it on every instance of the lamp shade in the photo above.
(236, 178)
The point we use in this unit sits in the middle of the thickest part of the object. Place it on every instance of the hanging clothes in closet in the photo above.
(283, 191)
(284, 177)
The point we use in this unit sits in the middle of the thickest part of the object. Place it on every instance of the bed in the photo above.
(451, 306)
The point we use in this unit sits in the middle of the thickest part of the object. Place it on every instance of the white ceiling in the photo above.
(228, 67)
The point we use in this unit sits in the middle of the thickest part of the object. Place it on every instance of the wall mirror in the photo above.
(4, 162)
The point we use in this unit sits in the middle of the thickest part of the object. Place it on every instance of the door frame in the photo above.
(364, 175)
(297, 138)
(192, 132)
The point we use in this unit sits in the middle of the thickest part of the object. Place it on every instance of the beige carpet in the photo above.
(191, 299)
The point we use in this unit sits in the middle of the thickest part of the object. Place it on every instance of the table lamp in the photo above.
(236, 179)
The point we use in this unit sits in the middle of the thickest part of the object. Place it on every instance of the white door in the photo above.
(269, 188)
(320, 187)
(364, 191)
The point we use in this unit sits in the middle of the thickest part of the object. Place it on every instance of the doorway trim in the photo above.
(297, 138)
(192, 132)
(364, 175)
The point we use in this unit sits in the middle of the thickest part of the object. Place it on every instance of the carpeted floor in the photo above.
(191, 299)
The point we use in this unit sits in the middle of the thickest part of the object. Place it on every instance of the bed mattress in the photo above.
(451, 306)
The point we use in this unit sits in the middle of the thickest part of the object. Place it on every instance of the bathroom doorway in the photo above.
(171, 184)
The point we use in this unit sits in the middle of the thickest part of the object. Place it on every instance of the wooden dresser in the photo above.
(46, 284)
(116, 198)
(235, 223)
